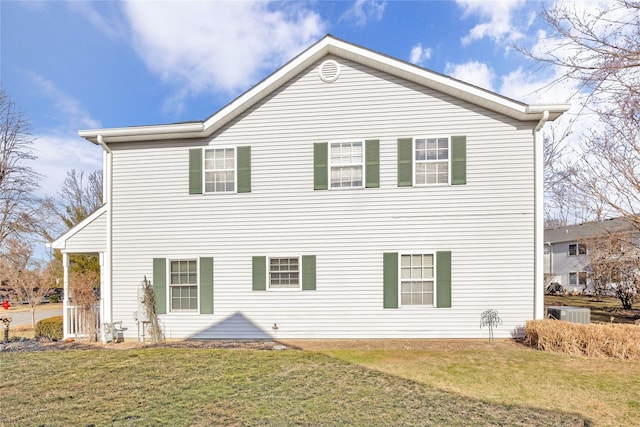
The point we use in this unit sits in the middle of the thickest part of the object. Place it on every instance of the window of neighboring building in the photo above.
(219, 170)
(578, 278)
(417, 279)
(183, 285)
(577, 249)
(346, 164)
(432, 161)
(284, 273)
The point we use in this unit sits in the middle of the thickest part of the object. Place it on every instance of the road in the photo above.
(23, 318)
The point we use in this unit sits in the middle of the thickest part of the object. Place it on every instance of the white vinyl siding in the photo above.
(346, 164)
(487, 223)
(91, 238)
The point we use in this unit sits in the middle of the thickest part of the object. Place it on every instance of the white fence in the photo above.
(82, 323)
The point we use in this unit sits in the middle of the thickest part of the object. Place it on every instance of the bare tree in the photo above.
(79, 198)
(613, 266)
(19, 208)
(599, 50)
(28, 279)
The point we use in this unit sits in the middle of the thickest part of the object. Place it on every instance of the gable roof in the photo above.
(329, 45)
(60, 242)
(587, 230)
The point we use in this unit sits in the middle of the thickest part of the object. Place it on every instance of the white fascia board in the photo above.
(143, 133)
(61, 242)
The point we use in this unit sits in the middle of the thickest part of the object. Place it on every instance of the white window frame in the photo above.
(205, 170)
(577, 250)
(416, 162)
(299, 258)
(361, 164)
(577, 273)
(435, 282)
(170, 309)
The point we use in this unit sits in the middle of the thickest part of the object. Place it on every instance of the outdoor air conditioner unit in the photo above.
(570, 314)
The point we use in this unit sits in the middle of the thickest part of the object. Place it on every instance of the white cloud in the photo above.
(420, 55)
(112, 26)
(59, 149)
(474, 72)
(70, 112)
(218, 46)
(497, 16)
(58, 153)
(364, 11)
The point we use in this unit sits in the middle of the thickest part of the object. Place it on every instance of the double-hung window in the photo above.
(346, 160)
(577, 249)
(432, 161)
(219, 170)
(578, 278)
(284, 273)
(417, 279)
(183, 285)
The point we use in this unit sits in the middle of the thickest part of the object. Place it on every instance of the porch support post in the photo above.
(65, 294)
(105, 290)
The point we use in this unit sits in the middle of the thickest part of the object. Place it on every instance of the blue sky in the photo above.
(81, 65)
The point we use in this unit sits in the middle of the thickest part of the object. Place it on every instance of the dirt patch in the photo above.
(400, 344)
(33, 345)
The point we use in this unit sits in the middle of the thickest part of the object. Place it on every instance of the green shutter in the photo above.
(308, 272)
(321, 166)
(390, 280)
(458, 160)
(195, 171)
(372, 163)
(206, 285)
(443, 279)
(259, 273)
(405, 162)
(160, 284)
(244, 169)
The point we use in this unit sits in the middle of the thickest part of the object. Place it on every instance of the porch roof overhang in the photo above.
(93, 242)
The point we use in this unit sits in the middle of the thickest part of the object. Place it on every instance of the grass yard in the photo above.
(601, 311)
(354, 383)
(602, 392)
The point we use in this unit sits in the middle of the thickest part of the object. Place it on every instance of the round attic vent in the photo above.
(329, 71)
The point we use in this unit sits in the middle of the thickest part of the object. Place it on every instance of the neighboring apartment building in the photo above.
(567, 249)
(347, 195)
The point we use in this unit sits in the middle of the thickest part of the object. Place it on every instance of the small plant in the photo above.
(149, 301)
(491, 319)
(50, 328)
(6, 321)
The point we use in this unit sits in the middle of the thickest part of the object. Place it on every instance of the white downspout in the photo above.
(538, 149)
(106, 301)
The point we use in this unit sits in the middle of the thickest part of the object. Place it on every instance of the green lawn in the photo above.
(168, 386)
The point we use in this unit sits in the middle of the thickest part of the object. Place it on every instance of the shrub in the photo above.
(50, 328)
(614, 340)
